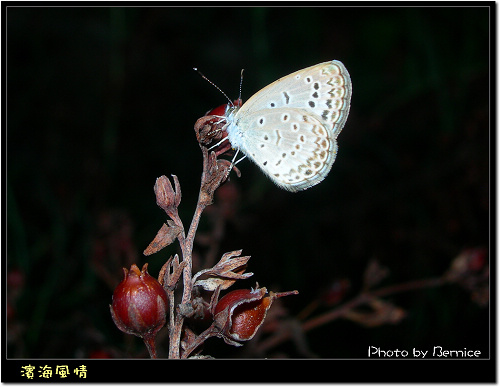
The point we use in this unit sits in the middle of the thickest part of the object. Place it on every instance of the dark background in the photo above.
(102, 101)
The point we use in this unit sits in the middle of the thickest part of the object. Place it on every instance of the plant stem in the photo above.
(150, 345)
(210, 332)
(186, 244)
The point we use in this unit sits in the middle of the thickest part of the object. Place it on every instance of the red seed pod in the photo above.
(139, 303)
(240, 313)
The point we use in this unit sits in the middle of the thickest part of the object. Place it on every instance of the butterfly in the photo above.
(290, 127)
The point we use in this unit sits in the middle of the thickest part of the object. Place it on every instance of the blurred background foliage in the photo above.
(102, 101)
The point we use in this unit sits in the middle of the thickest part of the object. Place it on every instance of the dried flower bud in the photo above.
(240, 313)
(166, 197)
(139, 303)
(215, 172)
(210, 129)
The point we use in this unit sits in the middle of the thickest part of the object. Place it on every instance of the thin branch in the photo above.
(361, 299)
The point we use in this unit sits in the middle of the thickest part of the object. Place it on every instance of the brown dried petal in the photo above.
(211, 283)
(171, 272)
(212, 177)
(188, 338)
(215, 172)
(226, 164)
(229, 269)
(165, 236)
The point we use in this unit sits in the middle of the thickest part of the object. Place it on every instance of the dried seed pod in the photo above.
(240, 313)
(139, 303)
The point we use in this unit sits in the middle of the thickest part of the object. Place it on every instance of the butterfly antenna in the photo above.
(241, 82)
(214, 85)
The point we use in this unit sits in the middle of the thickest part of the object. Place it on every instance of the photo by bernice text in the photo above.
(416, 353)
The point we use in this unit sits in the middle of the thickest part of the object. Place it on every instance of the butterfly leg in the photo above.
(233, 163)
(216, 145)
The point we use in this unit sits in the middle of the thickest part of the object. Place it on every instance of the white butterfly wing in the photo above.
(323, 90)
(289, 128)
(291, 146)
